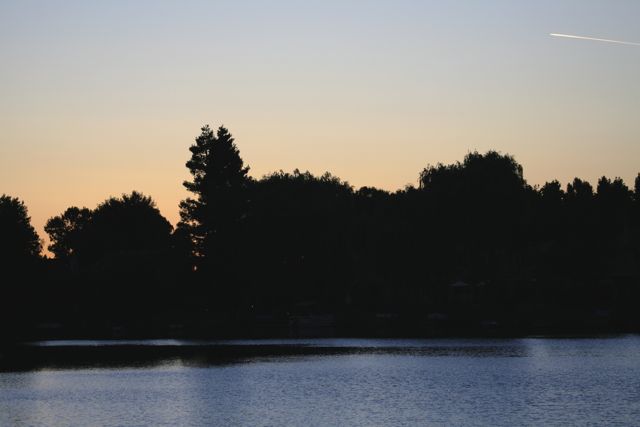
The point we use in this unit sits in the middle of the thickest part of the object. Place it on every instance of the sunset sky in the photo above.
(101, 98)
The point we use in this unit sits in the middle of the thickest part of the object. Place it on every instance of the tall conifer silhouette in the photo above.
(213, 215)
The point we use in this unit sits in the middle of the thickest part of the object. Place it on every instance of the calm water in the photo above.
(342, 382)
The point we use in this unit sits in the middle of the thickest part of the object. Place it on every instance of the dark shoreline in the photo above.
(75, 354)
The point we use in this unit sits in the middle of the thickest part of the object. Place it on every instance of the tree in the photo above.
(120, 257)
(219, 180)
(473, 214)
(614, 200)
(551, 211)
(19, 268)
(19, 243)
(300, 229)
(615, 193)
(552, 193)
(65, 231)
(131, 223)
(579, 191)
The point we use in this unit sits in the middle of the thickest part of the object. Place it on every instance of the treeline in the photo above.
(472, 249)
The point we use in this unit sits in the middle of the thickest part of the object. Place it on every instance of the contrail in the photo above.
(569, 36)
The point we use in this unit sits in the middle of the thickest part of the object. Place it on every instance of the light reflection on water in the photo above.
(373, 382)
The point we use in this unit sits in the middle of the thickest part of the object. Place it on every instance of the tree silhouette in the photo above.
(131, 223)
(119, 265)
(552, 193)
(65, 231)
(128, 224)
(579, 254)
(20, 243)
(213, 219)
(613, 202)
(299, 240)
(19, 268)
(478, 207)
(579, 191)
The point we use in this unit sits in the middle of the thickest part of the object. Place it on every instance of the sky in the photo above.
(102, 98)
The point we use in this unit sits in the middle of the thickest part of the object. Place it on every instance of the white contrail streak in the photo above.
(569, 36)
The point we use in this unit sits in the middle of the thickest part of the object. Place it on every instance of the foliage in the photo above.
(128, 224)
(219, 176)
(65, 231)
(20, 242)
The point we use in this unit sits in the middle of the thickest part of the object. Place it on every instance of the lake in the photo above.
(530, 381)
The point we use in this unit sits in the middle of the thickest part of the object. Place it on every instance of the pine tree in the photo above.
(213, 216)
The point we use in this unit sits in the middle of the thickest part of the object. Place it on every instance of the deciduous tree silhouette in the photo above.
(20, 243)
(19, 264)
(128, 224)
(299, 241)
(131, 223)
(65, 231)
(119, 258)
(477, 206)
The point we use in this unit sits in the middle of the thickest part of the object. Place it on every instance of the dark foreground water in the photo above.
(593, 381)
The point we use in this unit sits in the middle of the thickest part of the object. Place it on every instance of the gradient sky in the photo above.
(101, 98)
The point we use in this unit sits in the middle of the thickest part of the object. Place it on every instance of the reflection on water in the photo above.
(325, 382)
